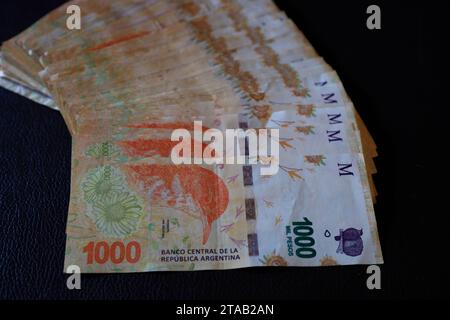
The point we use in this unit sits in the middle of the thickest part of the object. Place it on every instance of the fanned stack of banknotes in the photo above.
(138, 71)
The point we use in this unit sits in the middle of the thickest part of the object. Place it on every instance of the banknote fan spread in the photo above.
(133, 71)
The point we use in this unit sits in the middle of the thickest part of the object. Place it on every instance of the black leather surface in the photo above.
(384, 73)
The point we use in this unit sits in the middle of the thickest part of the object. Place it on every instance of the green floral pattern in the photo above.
(101, 182)
(117, 215)
(102, 150)
(114, 209)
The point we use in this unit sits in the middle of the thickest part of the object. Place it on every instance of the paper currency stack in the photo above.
(137, 70)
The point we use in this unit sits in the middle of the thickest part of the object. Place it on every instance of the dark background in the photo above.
(397, 78)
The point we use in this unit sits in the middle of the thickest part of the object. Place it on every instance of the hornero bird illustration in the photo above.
(190, 189)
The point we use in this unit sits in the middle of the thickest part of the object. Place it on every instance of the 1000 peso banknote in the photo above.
(133, 210)
(140, 70)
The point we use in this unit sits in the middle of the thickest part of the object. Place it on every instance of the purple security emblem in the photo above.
(350, 242)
